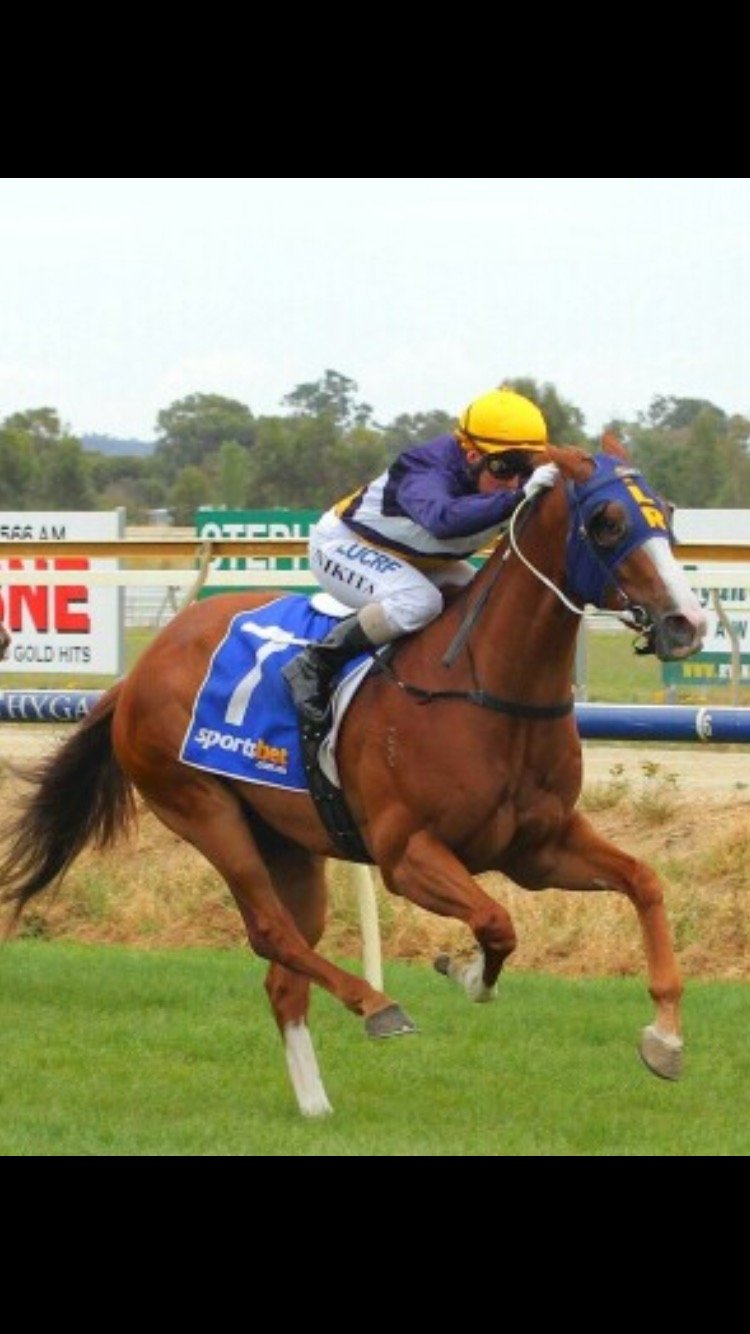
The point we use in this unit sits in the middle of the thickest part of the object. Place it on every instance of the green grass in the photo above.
(109, 1051)
(616, 675)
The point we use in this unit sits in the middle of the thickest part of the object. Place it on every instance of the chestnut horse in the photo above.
(458, 755)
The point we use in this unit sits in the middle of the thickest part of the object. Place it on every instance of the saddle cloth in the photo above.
(244, 724)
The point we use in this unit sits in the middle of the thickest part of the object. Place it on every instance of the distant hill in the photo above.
(109, 444)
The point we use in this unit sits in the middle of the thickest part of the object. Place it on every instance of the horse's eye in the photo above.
(607, 526)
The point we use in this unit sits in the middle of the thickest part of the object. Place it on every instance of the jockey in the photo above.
(390, 548)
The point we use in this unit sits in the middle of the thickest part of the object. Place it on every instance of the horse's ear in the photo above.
(611, 444)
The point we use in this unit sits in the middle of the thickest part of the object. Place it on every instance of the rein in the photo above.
(578, 611)
(480, 697)
(477, 607)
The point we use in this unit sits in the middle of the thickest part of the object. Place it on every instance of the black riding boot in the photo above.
(310, 674)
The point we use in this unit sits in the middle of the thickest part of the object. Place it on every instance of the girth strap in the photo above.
(329, 799)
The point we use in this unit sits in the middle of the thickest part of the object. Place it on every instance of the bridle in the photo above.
(585, 502)
(589, 567)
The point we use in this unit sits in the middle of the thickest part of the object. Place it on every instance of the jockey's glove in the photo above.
(540, 479)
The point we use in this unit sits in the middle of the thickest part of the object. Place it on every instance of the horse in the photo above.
(457, 755)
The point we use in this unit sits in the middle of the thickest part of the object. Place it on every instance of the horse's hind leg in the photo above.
(300, 882)
(206, 813)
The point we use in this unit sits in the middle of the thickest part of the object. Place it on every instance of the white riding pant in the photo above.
(358, 573)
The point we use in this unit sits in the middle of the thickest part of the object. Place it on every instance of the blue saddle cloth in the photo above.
(244, 722)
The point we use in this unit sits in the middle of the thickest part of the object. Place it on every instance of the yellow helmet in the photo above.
(502, 420)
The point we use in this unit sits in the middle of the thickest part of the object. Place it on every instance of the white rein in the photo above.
(578, 611)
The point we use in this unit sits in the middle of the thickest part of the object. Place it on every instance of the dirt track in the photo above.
(695, 768)
(710, 769)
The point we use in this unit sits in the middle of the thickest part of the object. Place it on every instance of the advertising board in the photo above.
(62, 626)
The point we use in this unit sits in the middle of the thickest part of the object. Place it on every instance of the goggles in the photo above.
(513, 463)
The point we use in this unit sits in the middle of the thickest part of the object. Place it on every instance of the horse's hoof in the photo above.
(389, 1023)
(442, 964)
(661, 1052)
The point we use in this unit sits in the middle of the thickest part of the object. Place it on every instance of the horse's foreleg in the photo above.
(583, 860)
(469, 974)
(430, 875)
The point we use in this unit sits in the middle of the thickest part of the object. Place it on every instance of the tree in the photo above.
(658, 454)
(674, 414)
(48, 464)
(234, 470)
(287, 465)
(41, 425)
(350, 463)
(63, 482)
(190, 490)
(692, 451)
(136, 497)
(199, 425)
(412, 429)
(700, 466)
(738, 429)
(333, 397)
(17, 468)
(126, 481)
(107, 468)
(306, 463)
(732, 490)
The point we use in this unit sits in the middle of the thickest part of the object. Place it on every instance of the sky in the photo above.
(120, 296)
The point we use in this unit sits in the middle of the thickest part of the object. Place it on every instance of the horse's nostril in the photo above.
(680, 630)
(678, 637)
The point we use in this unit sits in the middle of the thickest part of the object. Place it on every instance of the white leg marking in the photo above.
(303, 1070)
(469, 976)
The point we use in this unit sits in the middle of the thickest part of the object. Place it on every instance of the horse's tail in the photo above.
(79, 795)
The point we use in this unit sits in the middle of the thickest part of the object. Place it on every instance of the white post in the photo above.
(580, 673)
(372, 963)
